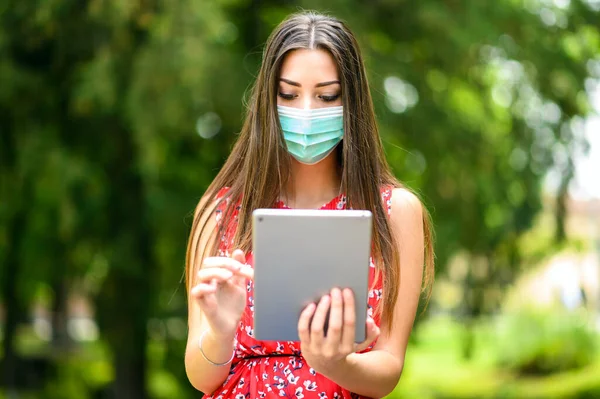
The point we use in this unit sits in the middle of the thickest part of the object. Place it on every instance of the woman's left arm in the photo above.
(376, 373)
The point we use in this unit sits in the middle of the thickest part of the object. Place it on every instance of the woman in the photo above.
(312, 70)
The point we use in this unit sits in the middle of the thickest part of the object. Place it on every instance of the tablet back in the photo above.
(299, 256)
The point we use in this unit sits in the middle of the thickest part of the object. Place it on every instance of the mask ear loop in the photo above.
(341, 150)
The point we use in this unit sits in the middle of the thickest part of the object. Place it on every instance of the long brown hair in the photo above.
(258, 167)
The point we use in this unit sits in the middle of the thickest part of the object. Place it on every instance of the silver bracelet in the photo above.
(206, 358)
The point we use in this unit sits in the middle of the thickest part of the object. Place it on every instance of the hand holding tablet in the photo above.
(326, 352)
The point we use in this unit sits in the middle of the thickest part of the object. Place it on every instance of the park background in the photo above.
(116, 114)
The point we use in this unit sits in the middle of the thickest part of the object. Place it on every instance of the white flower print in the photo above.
(296, 363)
(250, 331)
(292, 380)
(310, 385)
(286, 376)
(375, 294)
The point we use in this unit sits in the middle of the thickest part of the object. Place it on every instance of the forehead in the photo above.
(309, 66)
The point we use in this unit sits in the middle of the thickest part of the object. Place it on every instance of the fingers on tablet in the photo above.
(316, 328)
(223, 262)
(203, 292)
(304, 323)
(239, 255)
(203, 289)
(349, 319)
(335, 325)
(246, 271)
(213, 273)
(233, 265)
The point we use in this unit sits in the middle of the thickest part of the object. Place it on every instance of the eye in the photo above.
(287, 96)
(328, 99)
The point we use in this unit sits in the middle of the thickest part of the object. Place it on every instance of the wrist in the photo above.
(219, 336)
(223, 350)
(333, 370)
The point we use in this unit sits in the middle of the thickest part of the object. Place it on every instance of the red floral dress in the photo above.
(271, 369)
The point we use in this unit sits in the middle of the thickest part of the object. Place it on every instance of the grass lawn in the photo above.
(435, 368)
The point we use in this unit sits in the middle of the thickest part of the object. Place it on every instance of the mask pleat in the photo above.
(311, 135)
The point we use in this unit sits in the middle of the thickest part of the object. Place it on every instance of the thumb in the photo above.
(239, 255)
(372, 334)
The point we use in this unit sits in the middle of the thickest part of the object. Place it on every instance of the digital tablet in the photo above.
(299, 256)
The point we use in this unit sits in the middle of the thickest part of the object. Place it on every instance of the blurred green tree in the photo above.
(116, 115)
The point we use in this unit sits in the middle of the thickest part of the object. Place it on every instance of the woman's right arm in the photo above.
(216, 298)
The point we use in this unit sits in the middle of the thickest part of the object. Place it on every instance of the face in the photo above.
(309, 79)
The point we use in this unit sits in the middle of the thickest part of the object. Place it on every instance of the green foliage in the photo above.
(434, 367)
(115, 116)
(545, 342)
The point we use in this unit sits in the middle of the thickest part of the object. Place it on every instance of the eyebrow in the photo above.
(322, 84)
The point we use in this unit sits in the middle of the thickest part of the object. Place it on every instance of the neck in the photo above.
(311, 186)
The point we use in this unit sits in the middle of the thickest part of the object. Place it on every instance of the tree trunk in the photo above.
(12, 305)
(60, 337)
(473, 297)
(468, 294)
(561, 203)
(124, 302)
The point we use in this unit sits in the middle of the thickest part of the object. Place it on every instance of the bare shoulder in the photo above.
(204, 208)
(407, 209)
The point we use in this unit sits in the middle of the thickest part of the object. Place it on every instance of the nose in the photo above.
(307, 102)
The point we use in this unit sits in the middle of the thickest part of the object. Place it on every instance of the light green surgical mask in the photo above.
(311, 134)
